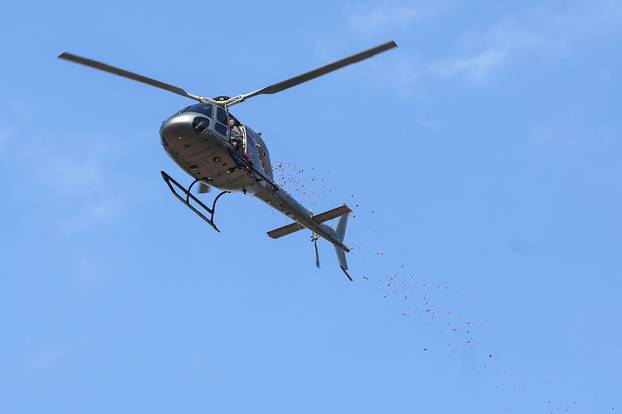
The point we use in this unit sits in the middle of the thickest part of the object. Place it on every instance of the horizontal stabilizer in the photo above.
(318, 218)
(285, 230)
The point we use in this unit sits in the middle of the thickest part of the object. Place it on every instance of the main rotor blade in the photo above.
(297, 80)
(127, 74)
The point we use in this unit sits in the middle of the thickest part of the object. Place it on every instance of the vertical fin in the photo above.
(343, 264)
(340, 232)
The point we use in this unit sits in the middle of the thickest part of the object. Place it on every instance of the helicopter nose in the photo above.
(177, 130)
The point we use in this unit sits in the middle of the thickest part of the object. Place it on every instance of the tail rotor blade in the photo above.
(314, 238)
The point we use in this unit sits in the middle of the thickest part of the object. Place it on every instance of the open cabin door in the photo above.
(256, 151)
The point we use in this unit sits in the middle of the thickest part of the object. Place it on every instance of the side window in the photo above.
(221, 125)
(221, 129)
(221, 115)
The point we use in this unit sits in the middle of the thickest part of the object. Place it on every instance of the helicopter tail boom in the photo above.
(335, 236)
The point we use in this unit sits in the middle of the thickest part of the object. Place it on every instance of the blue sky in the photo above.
(482, 159)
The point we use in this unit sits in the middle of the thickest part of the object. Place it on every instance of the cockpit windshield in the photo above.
(205, 109)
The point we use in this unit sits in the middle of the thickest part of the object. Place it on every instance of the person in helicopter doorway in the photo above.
(236, 134)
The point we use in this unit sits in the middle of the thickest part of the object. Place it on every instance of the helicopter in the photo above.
(218, 151)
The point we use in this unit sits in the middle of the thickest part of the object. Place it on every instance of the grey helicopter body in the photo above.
(198, 140)
(219, 152)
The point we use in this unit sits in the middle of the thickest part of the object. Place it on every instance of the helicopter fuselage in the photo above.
(198, 139)
(201, 146)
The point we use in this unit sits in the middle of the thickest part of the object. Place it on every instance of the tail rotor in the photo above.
(314, 239)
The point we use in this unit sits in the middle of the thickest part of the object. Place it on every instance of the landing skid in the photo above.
(189, 196)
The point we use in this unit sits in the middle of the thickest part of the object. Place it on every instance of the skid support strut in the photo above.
(174, 185)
